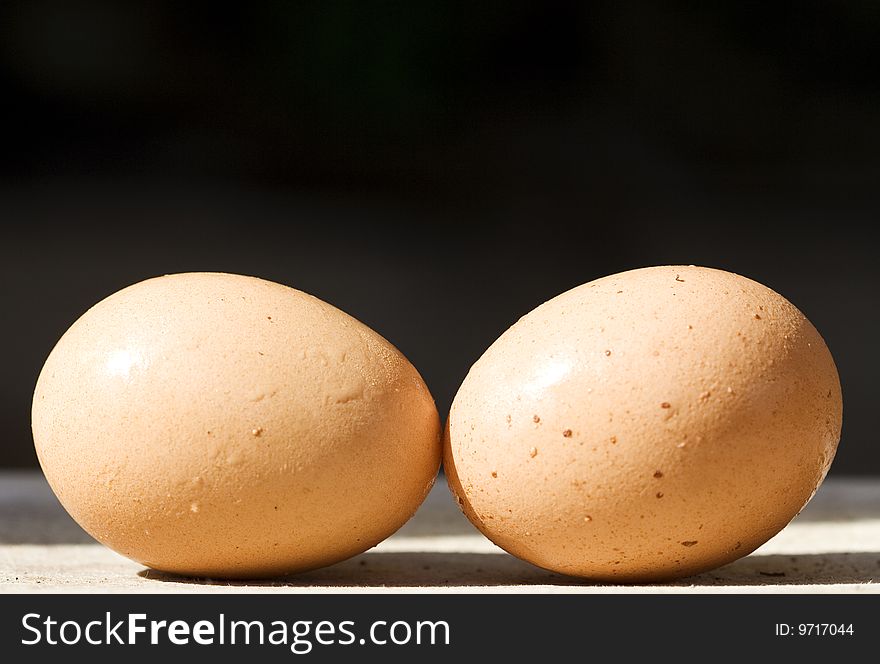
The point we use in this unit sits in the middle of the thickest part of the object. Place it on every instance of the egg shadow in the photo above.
(404, 569)
(380, 569)
(804, 569)
(853, 499)
(31, 514)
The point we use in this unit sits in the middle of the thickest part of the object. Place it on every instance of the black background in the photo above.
(685, 628)
(438, 169)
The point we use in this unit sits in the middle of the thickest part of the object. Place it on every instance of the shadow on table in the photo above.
(403, 569)
(794, 569)
(855, 500)
(31, 514)
(431, 569)
(33, 529)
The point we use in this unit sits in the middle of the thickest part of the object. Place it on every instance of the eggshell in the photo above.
(220, 425)
(648, 425)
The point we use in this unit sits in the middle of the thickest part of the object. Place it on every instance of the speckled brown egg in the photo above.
(648, 425)
(220, 425)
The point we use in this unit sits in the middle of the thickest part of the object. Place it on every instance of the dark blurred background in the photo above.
(438, 169)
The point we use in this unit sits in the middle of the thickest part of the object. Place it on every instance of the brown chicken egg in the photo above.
(220, 425)
(647, 425)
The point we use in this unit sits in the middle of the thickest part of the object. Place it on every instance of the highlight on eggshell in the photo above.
(220, 425)
(645, 426)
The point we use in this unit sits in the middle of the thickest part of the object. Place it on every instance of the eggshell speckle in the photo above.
(220, 425)
(648, 425)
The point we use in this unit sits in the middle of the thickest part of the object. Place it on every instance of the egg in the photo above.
(648, 425)
(221, 425)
